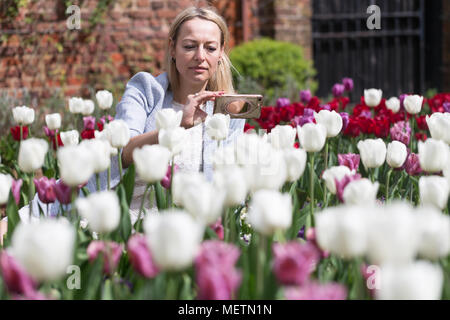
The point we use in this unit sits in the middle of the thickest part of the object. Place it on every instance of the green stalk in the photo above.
(324, 182)
(172, 287)
(31, 191)
(97, 180)
(109, 178)
(387, 184)
(260, 266)
(139, 220)
(21, 133)
(72, 209)
(411, 123)
(311, 186)
(119, 158)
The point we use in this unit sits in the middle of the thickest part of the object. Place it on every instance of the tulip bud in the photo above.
(433, 155)
(282, 137)
(5, 187)
(101, 210)
(232, 181)
(361, 191)
(439, 126)
(100, 152)
(413, 104)
(168, 118)
(373, 152)
(434, 190)
(305, 96)
(23, 115)
(348, 84)
(372, 97)
(334, 173)
(217, 126)
(396, 154)
(53, 121)
(88, 107)
(44, 248)
(151, 162)
(295, 162)
(46, 189)
(331, 120)
(270, 211)
(75, 164)
(104, 99)
(173, 238)
(32, 154)
(393, 104)
(173, 139)
(283, 102)
(76, 105)
(312, 137)
(118, 133)
(70, 138)
(338, 90)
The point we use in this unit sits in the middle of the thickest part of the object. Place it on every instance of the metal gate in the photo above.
(390, 58)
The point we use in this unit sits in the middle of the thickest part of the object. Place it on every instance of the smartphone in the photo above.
(241, 106)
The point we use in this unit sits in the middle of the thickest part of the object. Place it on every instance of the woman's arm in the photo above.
(138, 141)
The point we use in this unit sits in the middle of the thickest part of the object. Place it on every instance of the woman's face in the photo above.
(197, 50)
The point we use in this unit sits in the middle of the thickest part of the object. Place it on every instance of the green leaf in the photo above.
(107, 290)
(12, 213)
(128, 183)
(160, 197)
(125, 225)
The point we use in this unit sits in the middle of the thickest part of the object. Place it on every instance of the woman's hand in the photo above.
(192, 114)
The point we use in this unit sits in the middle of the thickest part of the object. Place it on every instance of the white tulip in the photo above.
(396, 154)
(333, 173)
(434, 233)
(331, 120)
(168, 118)
(372, 97)
(53, 121)
(393, 234)
(76, 105)
(231, 180)
(446, 173)
(361, 191)
(118, 133)
(413, 104)
(270, 211)
(342, 231)
(439, 126)
(151, 162)
(181, 180)
(173, 139)
(76, 165)
(32, 154)
(217, 126)
(433, 155)
(23, 115)
(100, 151)
(393, 104)
(44, 248)
(88, 107)
(419, 280)
(373, 152)
(70, 138)
(101, 210)
(224, 157)
(434, 190)
(282, 137)
(5, 187)
(312, 136)
(246, 148)
(295, 163)
(173, 238)
(104, 99)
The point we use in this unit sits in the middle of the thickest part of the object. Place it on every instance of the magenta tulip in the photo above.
(89, 123)
(401, 131)
(46, 189)
(111, 251)
(15, 188)
(350, 160)
(341, 184)
(141, 257)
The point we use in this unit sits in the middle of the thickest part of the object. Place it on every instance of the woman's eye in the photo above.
(211, 49)
(188, 47)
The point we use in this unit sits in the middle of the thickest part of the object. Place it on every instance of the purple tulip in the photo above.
(301, 233)
(16, 279)
(350, 160)
(365, 114)
(294, 262)
(326, 107)
(165, 182)
(348, 84)
(311, 238)
(402, 98)
(89, 123)
(412, 165)
(446, 106)
(63, 192)
(103, 119)
(49, 133)
(283, 102)
(401, 131)
(218, 228)
(46, 189)
(141, 257)
(307, 117)
(338, 90)
(345, 119)
(216, 276)
(305, 96)
(341, 184)
(111, 255)
(15, 188)
(317, 291)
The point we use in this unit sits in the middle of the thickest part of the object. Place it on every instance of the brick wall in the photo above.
(38, 52)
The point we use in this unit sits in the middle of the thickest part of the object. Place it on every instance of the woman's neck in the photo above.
(180, 95)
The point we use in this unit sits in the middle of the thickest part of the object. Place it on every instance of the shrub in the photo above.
(272, 68)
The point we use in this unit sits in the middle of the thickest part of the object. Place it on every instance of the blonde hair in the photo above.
(222, 78)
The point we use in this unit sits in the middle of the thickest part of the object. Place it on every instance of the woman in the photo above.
(197, 71)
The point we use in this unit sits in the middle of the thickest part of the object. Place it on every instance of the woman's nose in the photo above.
(200, 53)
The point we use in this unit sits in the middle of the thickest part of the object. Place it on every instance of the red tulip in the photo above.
(15, 132)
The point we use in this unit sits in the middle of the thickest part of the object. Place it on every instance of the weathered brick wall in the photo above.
(38, 52)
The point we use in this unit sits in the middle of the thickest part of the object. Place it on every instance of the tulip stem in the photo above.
(31, 194)
(260, 266)
(169, 194)
(97, 180)
(311, 187)
(109, 178)
(324, 182)
(139, 219)
(411, 122)
(387, 184)
(172, 286)
(21, 133)
(119, 158)
(72, 209)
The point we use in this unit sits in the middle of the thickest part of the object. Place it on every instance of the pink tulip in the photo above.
(401, 131)
(141, 257)
(283, 102)
(89, 123)
(338, 90)
(46, 189)
(294, 262)
(305, 96)
(218, 228)
(317, 291)
(63, 192)
(49, 133)
(348, 84)
(111, 251)
(165, 182)
(216, 275)
(311, 238)
(16, 185)
(412, 165)
(341, 184)
(350, 160)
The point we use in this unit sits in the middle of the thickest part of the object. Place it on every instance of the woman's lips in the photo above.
(198, 69)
